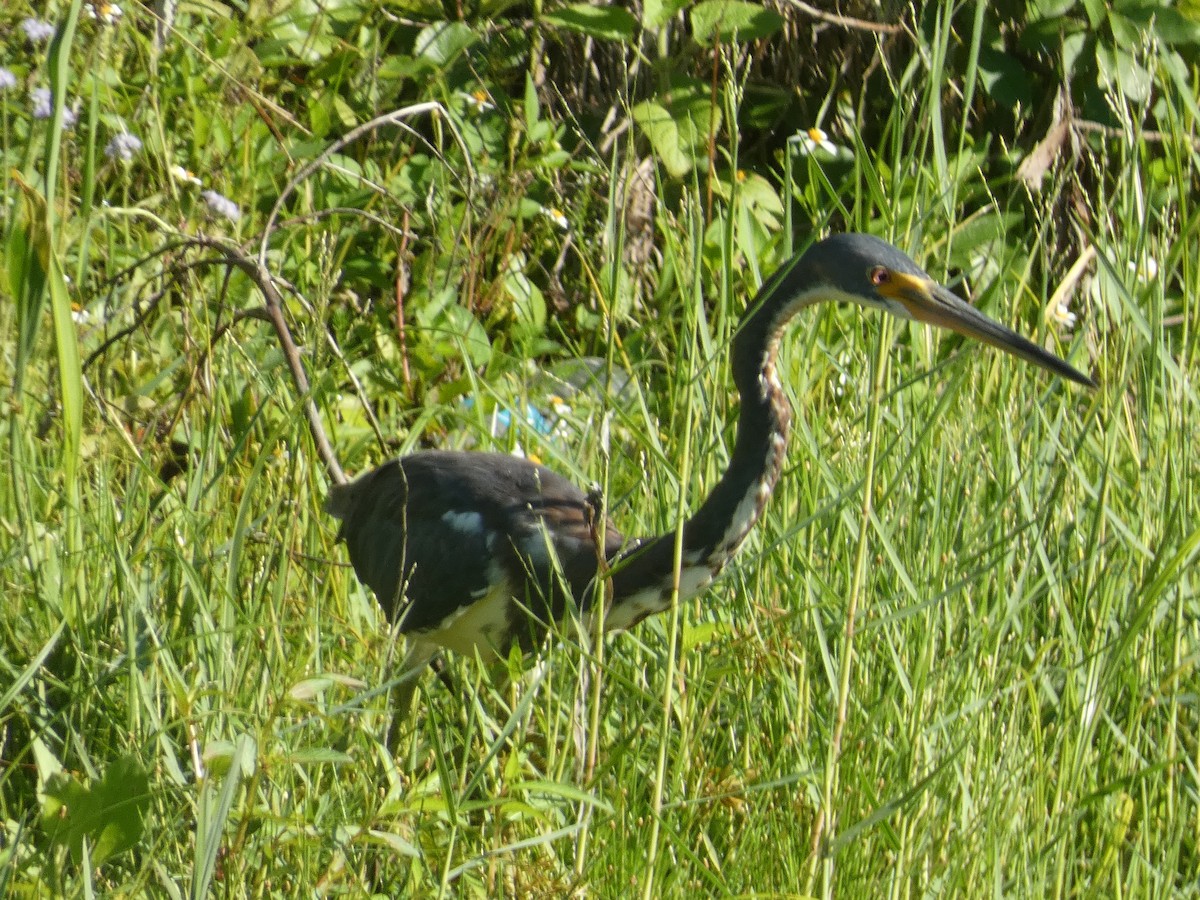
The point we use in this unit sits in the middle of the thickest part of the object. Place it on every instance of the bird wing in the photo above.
(436, 532)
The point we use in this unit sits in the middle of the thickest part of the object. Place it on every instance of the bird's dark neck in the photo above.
(722, 522)
(718, 528)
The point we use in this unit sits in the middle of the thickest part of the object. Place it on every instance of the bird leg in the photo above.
(418, 655)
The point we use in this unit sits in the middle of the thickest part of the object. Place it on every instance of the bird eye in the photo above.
(880, 276)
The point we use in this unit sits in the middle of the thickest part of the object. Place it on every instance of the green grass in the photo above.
(191, 699)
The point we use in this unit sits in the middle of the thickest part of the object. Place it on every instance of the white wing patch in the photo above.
(466, 522)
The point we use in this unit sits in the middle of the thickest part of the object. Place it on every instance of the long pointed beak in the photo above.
(927, 301)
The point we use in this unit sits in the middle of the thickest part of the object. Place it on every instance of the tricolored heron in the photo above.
(475, 551)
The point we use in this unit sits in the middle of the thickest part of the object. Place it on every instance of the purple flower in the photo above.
(37, 31)
(221, 205)
(123, 146)
(43, 107)
(7, 79)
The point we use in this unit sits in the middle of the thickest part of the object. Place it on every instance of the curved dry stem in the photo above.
(264, 281)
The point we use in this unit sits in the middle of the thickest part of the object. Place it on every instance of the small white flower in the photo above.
(43, 103)
(179, 173)
(816, 139)
(1147, 271)
(559, 406)
(1060, 314)
(556, 216)
(103, 11)
(8, 80)
(222, 205)
(843, 379)
(477, 100)
(79, 315)
(123, 146)
(37, 31)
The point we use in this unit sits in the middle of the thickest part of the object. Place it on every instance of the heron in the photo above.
(476, 552)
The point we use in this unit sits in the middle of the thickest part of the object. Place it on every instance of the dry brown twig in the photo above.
(846, 21)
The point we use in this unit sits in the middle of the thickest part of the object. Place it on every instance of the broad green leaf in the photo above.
(449, 331)
(1004, 78)
(1123, 72)
(441, 43)
(1172, 26)
(604, 23)
(393, 842)
(109, 815)
(699, 635)
(298, 34)
(1048, 9)
(664, 137)
(532, 107)
(714, 20)
(309, 688)
(981, 231)
(70, 371)
(27, 281)
(563, 791)
(656, 13)
(1096, 11)
(528, 304)
(760, 198)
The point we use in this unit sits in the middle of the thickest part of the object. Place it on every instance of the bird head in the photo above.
(863, 269)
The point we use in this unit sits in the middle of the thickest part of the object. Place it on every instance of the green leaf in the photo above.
(309, 688)
(1171, 26)
(70, 370)
(441, 43)
(110, 815)
(532, 107)
(560, 790)
(699, 635)
(720, 20)
(393, 842)
(656, 13)
(528, 304)
(297, 34)
(1120, 70)
(663, 134)
(1004, 78)
(1047, 9)
(450, 331)
(984, 232)
(604, 23)
(760, 198)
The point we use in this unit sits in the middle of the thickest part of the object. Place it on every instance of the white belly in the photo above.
(482, 626)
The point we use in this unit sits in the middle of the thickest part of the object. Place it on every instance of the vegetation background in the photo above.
(959, 657)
